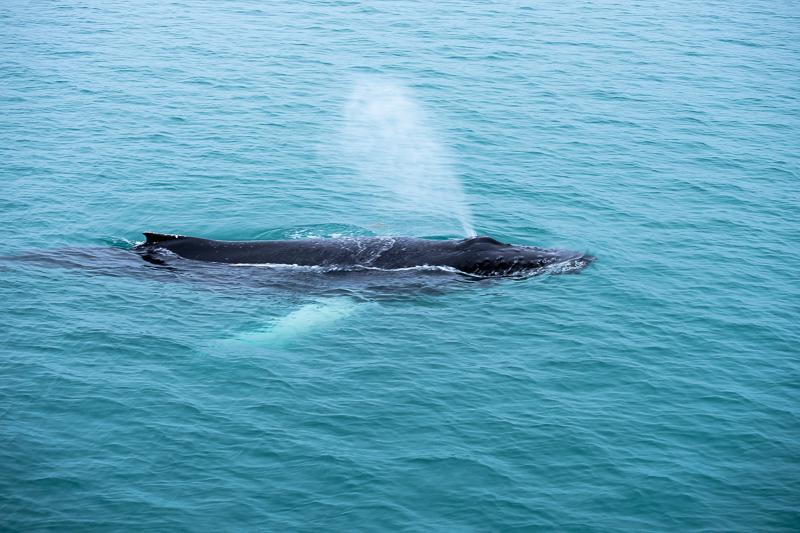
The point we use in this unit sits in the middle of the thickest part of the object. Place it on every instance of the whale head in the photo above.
(485, 256)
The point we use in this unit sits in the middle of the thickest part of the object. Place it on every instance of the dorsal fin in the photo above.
(160, 237)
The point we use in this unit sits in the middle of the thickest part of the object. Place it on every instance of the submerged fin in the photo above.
(308, 319)
(153, 238)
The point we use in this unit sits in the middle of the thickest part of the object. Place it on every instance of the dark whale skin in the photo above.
(480, 256)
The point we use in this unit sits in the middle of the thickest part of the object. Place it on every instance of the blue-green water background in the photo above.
(657, 390)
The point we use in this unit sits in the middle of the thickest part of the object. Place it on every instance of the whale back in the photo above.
(481, 256)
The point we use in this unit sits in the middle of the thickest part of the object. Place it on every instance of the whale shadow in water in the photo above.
(282, 281)
(361, 267)
(341, 277)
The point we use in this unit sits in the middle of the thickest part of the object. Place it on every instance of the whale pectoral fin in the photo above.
(153, 238)
(309, 318)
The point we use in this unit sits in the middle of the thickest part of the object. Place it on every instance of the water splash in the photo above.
(393, 146)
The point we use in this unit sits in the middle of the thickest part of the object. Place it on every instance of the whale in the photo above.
(479, 256)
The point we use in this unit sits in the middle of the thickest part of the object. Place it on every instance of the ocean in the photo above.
(656, 390)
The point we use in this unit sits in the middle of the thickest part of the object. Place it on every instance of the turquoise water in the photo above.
(657, 390)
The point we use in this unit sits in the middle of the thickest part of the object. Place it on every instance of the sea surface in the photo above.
(657, 390)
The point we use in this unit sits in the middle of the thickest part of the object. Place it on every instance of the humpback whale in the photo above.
(477, 256)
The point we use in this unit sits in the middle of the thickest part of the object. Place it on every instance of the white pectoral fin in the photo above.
(311, 317)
